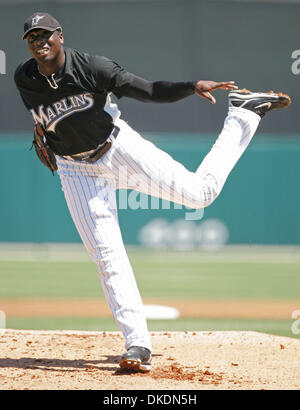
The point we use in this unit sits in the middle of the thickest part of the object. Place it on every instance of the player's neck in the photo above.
(50, 67)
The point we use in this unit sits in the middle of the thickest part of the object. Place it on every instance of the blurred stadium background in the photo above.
(245, 247)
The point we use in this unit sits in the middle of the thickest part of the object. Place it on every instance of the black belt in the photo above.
(95, 154)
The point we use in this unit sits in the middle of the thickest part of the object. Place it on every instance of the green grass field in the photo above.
(275, 327)
(254, 275)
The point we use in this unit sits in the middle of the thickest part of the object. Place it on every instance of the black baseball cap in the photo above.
(40, 20)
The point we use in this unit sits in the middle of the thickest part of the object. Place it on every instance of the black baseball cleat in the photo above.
(136, 359)
(258, 102)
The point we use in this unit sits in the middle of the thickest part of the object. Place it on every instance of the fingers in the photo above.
(209, 97)
(225, 85)
(204, 88)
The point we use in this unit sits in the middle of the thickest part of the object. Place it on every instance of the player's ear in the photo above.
(61, 37)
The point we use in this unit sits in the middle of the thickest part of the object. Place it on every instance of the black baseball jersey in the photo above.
(74, 104)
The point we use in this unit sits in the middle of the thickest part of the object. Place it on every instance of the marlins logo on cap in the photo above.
(36, 19)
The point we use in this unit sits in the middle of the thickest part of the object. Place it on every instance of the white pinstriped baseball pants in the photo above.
(134, 163)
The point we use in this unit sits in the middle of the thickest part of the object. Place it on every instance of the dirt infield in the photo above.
(258, 309)
(56, 360)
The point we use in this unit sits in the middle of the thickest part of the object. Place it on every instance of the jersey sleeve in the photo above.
(18, 82)
(159, 91)
(111, 77)
(17, 75)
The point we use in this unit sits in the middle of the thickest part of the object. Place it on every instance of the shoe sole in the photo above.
(277, 100)
(135, 365)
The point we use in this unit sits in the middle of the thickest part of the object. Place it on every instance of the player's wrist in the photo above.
(193, 86)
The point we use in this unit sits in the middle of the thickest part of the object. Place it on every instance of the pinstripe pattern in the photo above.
(134, 163)
(93, 209)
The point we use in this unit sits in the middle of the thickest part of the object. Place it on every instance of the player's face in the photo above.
(44, 45)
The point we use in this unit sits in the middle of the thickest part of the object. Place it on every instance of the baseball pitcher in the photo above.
(79, 133)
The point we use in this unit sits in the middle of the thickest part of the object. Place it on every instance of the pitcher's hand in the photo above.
(204, 88)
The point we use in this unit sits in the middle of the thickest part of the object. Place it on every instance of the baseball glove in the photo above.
(42, 149)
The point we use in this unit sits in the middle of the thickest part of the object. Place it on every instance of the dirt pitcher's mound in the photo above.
(181, 360)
